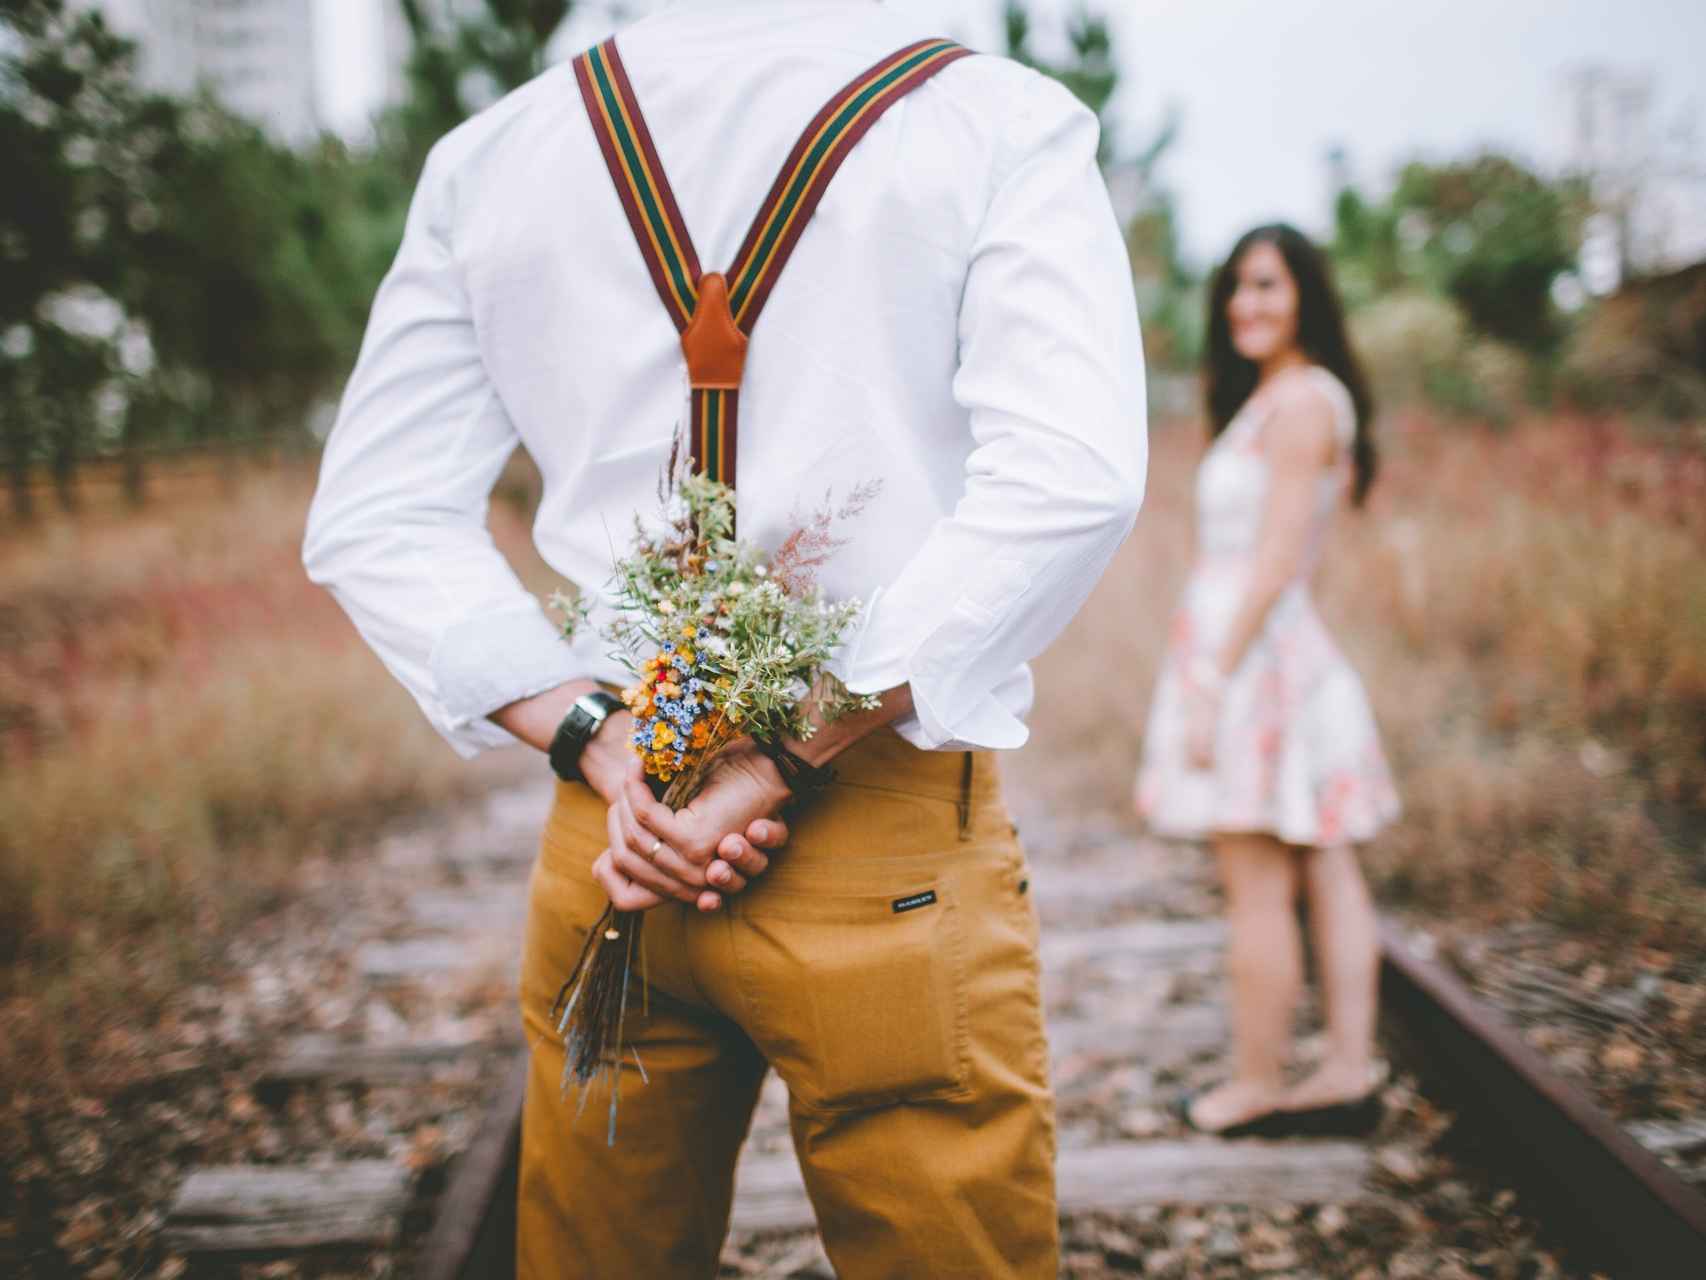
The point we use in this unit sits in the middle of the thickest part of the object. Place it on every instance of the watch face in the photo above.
(582, 722)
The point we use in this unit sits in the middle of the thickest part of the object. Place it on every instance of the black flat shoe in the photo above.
(1356, 1118)
(1269, 1124)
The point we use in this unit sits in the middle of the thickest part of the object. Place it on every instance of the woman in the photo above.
(1260, 738)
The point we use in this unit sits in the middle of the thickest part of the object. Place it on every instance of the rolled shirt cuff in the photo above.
(954, 708)
(475, 736)
(488, 661)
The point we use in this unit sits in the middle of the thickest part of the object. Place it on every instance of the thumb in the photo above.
(767, 833)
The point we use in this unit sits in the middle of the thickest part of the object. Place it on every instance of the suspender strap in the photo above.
(715, 313)
(713, 426)
(640, 182)
(806, 175)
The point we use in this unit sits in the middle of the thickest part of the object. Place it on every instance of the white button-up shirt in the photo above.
(957, 324)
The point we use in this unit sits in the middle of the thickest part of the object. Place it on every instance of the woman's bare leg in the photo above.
(1347, 950)
(1264, 969)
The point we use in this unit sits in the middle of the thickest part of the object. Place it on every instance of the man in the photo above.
(956, 324)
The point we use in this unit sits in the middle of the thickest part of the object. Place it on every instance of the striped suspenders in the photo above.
(715, 311)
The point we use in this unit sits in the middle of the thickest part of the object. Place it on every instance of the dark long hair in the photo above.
(1229, 378)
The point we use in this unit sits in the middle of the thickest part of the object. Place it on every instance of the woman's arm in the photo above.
(1299, 443)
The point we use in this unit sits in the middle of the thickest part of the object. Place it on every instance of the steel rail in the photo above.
(1603, 1191)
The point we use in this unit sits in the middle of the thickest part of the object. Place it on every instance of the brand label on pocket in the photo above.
(914, 901)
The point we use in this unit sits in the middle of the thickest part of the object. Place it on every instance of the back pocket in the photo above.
(858, 999)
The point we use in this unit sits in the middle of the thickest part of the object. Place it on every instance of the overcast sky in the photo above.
(1265, 87)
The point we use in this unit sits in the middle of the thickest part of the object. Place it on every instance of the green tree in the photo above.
(1495, 236)
(1365, 245)
(460, 59)
(1169, 292)
(170, 275)
(1487, 233)
(1166, 287)
(1090, 72)
(80, 141)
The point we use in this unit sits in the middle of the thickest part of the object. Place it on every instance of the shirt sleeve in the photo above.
(1051, 377)
(397, 528)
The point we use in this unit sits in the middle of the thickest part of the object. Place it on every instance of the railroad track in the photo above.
(1613, 1197)
(1130, 958)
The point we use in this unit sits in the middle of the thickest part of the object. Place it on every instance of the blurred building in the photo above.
(255, 56)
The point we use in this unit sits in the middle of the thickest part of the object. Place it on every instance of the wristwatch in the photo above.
(803, 780)
(588, 714)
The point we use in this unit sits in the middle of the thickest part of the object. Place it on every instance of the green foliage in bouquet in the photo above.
(722, 640)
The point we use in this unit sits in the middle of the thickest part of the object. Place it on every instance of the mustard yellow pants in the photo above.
(886, 967)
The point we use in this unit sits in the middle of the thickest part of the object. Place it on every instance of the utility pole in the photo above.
(1647, 180)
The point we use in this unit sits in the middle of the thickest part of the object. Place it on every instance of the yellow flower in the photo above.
(662, 735)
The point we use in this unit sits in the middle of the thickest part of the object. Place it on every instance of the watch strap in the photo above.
(576, 729)
(804, 780)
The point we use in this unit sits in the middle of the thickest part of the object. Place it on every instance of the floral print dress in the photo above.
(1296, 751)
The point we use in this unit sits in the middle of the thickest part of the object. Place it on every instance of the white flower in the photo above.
(80, 152)
(143, 217)
(90, 226)
(84, 312)
(111, 403)
(136, 350)
(38, 110)
(19, 342)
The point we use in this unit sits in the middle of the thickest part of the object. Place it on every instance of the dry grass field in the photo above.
(185, 722)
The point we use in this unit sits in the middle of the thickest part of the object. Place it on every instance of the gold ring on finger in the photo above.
(653, 851)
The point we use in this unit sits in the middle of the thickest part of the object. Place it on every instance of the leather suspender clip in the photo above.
(715, 311)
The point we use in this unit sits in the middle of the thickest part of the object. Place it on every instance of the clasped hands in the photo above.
(700, 854)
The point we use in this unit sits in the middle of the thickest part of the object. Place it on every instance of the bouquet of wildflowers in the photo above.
(723, 642)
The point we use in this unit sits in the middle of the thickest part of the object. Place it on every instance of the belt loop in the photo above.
(965, 797)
